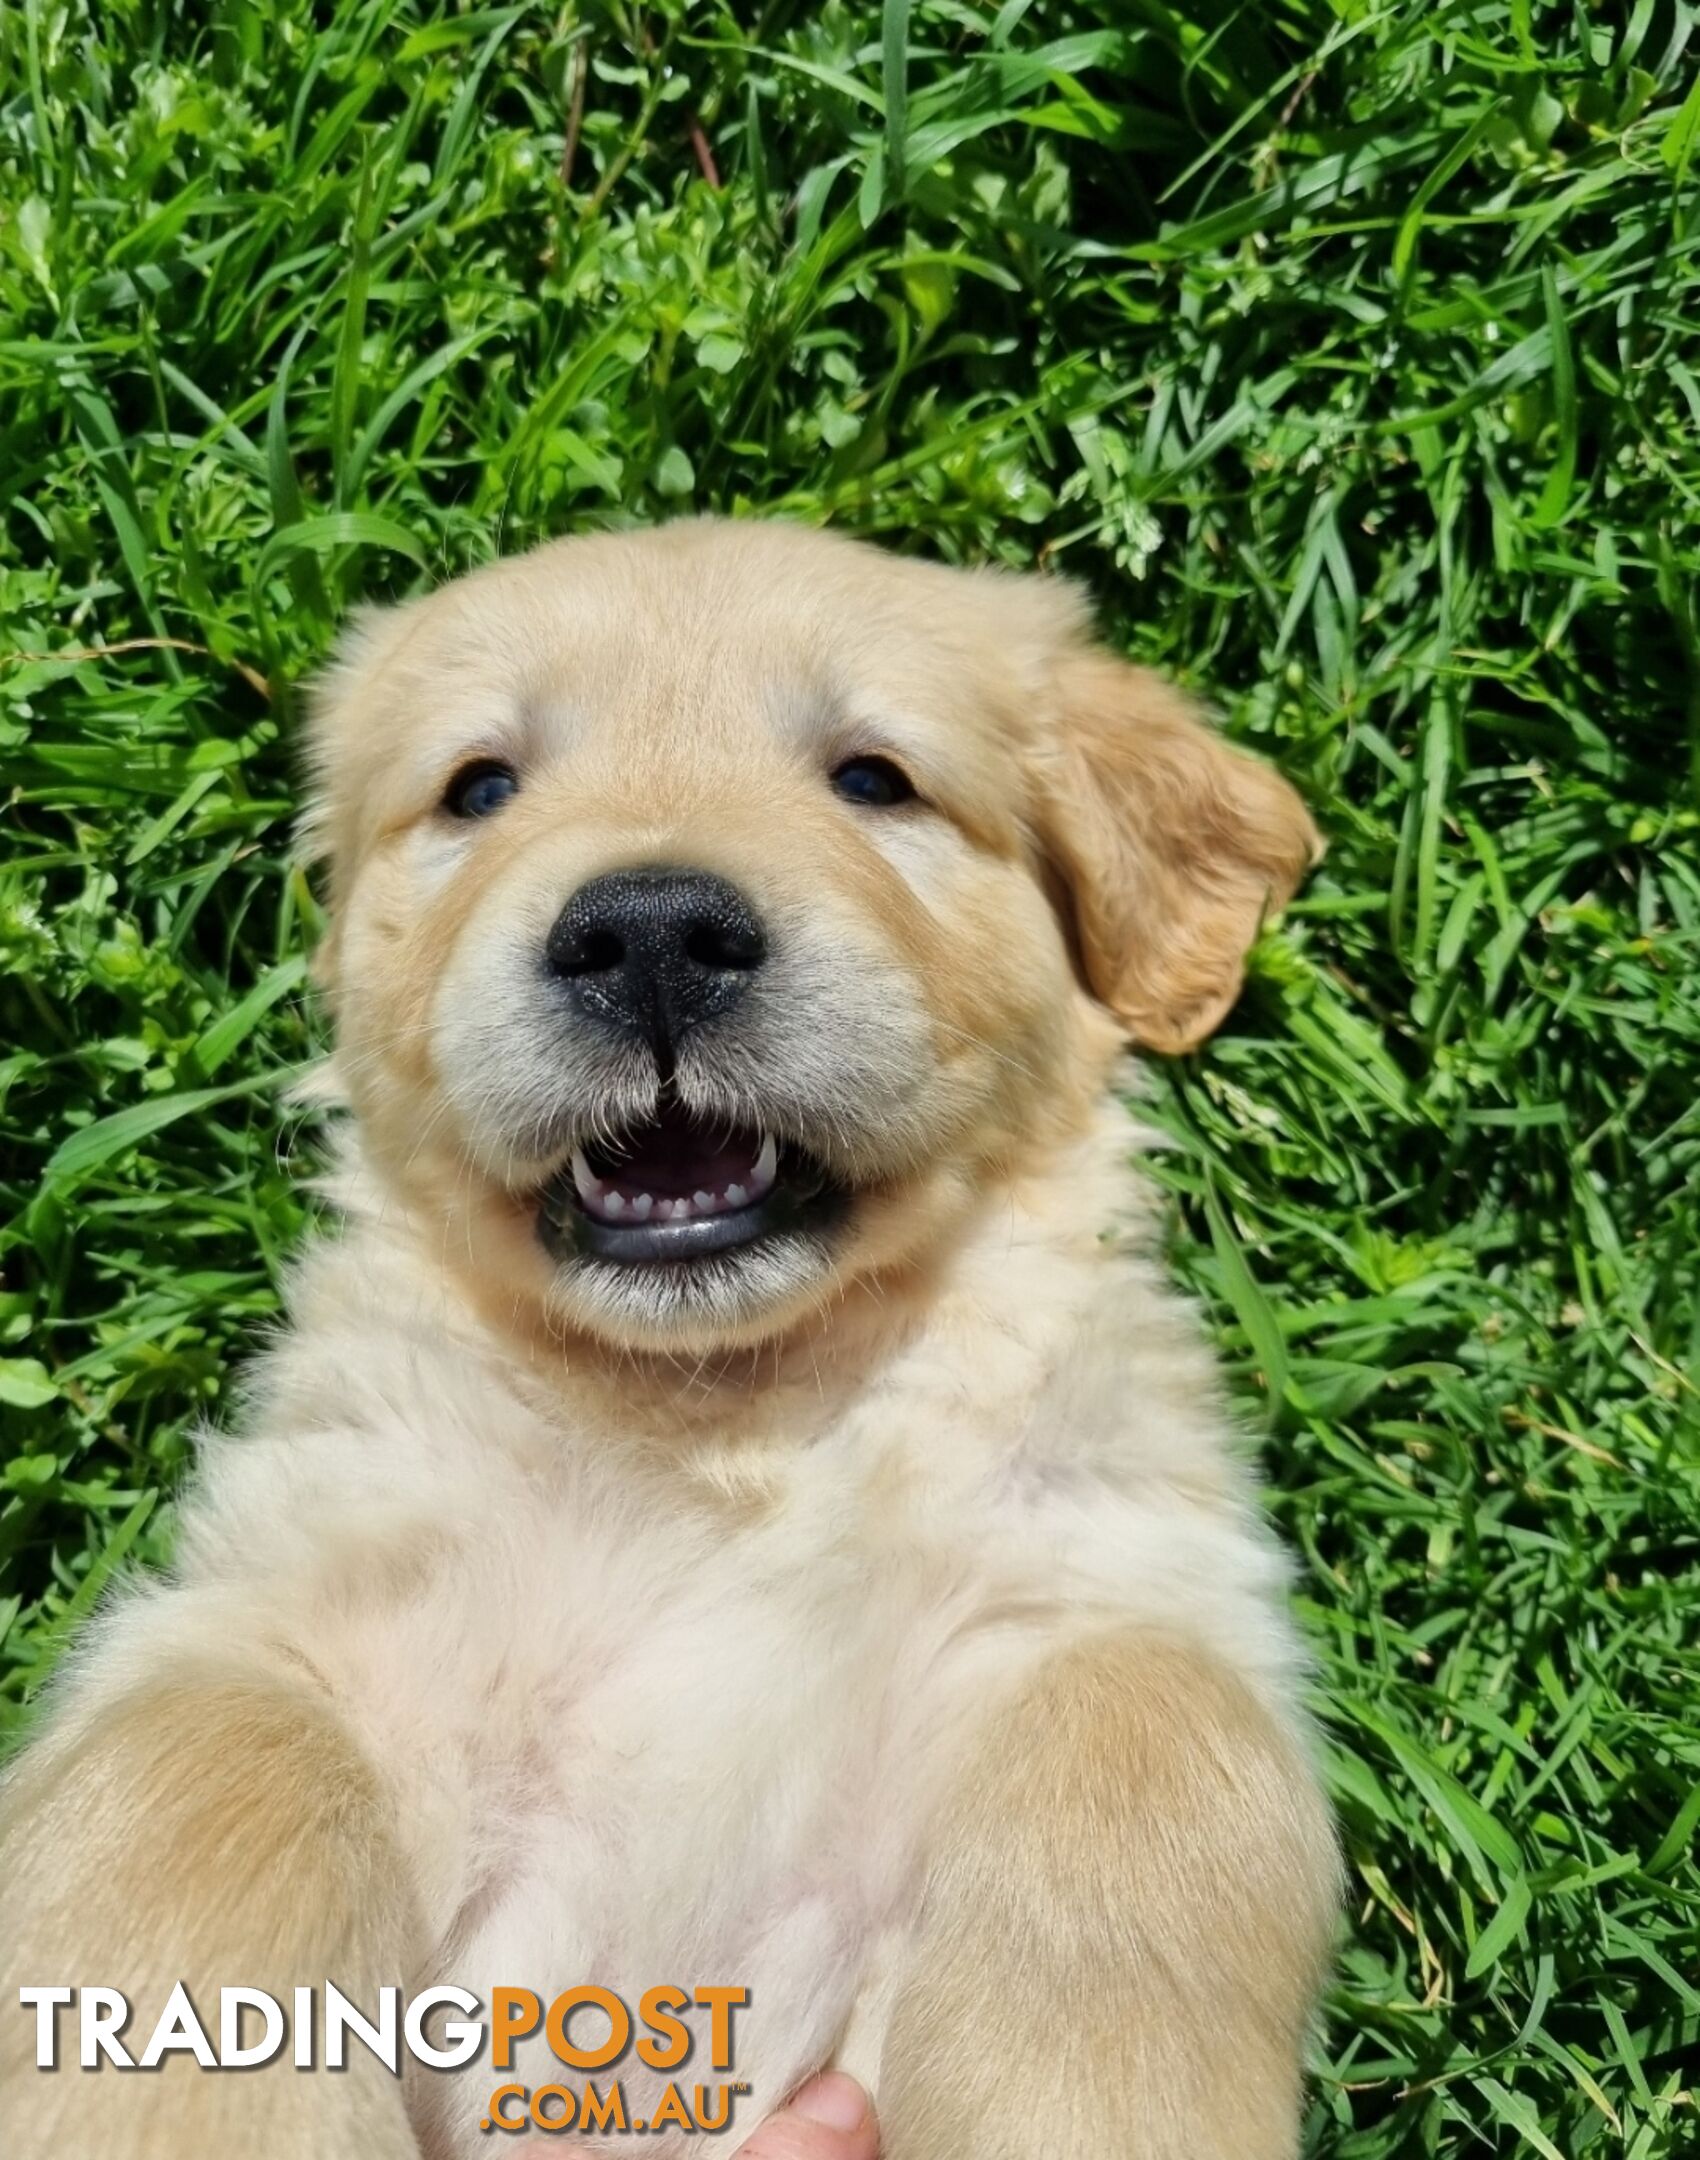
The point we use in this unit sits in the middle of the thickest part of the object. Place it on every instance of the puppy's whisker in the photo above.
(982, 1048)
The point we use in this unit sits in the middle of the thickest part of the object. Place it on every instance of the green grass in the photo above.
(1345, 352)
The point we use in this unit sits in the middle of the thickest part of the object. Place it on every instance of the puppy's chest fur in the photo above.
(658, 1715)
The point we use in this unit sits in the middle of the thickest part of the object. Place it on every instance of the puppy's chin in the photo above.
(723, 1301)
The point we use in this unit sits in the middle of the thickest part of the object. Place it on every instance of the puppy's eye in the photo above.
(875, 782)
(477, 790)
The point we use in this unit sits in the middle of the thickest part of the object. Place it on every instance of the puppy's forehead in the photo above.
(737, 628)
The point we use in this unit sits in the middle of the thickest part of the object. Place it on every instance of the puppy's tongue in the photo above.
(673, 1169)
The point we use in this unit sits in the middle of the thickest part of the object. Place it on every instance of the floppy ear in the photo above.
(342, 751)
(1172, 845)
(337, 747)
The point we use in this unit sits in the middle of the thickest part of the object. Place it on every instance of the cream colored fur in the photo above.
(912, 1653)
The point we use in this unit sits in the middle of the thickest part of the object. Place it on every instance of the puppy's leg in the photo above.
(1125, 1924)
(218, 1832)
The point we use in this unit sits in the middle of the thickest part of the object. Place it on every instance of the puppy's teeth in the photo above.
(641, 1204)
(613, 1203)
(588, 1183)
(704, 1202)
(767, 1165)
(736, 1196)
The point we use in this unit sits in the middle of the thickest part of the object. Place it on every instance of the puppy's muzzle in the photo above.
(654, 952)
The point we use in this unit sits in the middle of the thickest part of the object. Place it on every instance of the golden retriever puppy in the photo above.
(737, 1502)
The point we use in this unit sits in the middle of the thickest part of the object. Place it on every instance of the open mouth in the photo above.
(677, 1187)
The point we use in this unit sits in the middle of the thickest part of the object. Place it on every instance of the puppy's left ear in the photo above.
(1172, 845)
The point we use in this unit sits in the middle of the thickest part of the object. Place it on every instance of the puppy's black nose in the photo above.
(656, 951)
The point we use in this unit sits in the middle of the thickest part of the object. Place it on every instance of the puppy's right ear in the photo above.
(339, 753)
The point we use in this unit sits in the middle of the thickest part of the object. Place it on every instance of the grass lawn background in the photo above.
(1345, 351)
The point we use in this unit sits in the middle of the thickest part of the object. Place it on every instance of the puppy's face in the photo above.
(719, 912)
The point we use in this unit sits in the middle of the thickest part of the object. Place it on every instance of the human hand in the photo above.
(829, 2119)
